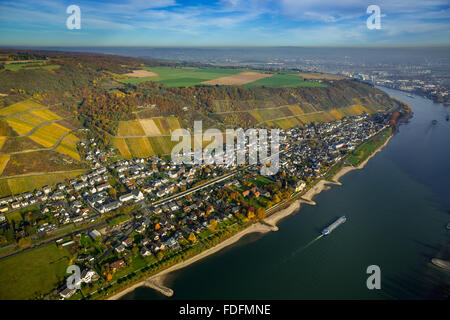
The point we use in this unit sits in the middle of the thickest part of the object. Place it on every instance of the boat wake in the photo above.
(305, 246)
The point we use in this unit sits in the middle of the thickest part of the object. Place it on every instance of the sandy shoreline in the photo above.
(347, 169)
(258, 227)
(159, 277)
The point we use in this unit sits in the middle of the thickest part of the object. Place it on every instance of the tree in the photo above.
(160, 255)
(113, 193)
(24, 242)
(260, 213)
(192, 237)
(276, 198)
(212, 224)
(251, 213)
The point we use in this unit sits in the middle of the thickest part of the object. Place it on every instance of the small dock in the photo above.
(158, 287)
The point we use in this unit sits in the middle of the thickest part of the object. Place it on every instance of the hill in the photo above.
(134, 104)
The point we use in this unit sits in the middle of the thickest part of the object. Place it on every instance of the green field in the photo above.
(18, 185)
(30, 65)
(368, 147)
(118, 220)
(184, 77)
(284, 80)
(189, 76)
(32, 273)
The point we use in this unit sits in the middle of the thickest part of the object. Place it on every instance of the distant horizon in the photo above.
(412, 46)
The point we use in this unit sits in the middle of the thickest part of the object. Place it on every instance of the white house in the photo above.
(88, 276)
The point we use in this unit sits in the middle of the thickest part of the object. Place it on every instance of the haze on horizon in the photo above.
(179, 23)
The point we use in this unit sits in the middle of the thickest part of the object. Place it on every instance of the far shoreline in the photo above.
(268, 224)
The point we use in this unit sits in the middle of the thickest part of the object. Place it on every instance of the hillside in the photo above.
(134, 105)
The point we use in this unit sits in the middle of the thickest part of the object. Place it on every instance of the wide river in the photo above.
(397, 208)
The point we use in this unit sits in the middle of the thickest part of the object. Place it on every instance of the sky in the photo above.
(176, 23)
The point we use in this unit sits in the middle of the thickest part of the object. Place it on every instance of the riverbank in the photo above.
(268, 224)
(159, 277)
(347, 169)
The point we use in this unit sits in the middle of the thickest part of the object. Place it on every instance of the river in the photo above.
(397, 208)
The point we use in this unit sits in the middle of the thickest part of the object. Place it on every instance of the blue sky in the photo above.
(224, 23)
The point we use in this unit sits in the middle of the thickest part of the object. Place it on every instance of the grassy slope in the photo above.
(367, 148)
(18, 185)
(32, 273)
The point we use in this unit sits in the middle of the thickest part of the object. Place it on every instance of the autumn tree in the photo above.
(160, 255)
(113, 193)
(251, 213)
(276, 198)
(260, 213)
(192, 237)
(212, 224)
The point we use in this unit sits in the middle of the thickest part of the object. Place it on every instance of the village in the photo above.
(131, 214)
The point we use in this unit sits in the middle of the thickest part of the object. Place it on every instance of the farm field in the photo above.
(2, 141)
(130, 128)
(145, 137)
(190, 76)
(141, 74)
(68, 146)
(238, 79)
(143, 146)
(45, 114)
(148, 127)
(293, 115)
(16, 185)
(33, 64)
(48, 135)
(284, 80)
(35, 125)
(319, 76)
(182, 77)
(32, 273)
(4, 158)
(18, 144)
(140, 147)
(20, 107)
(39, 162)
(122, 146)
